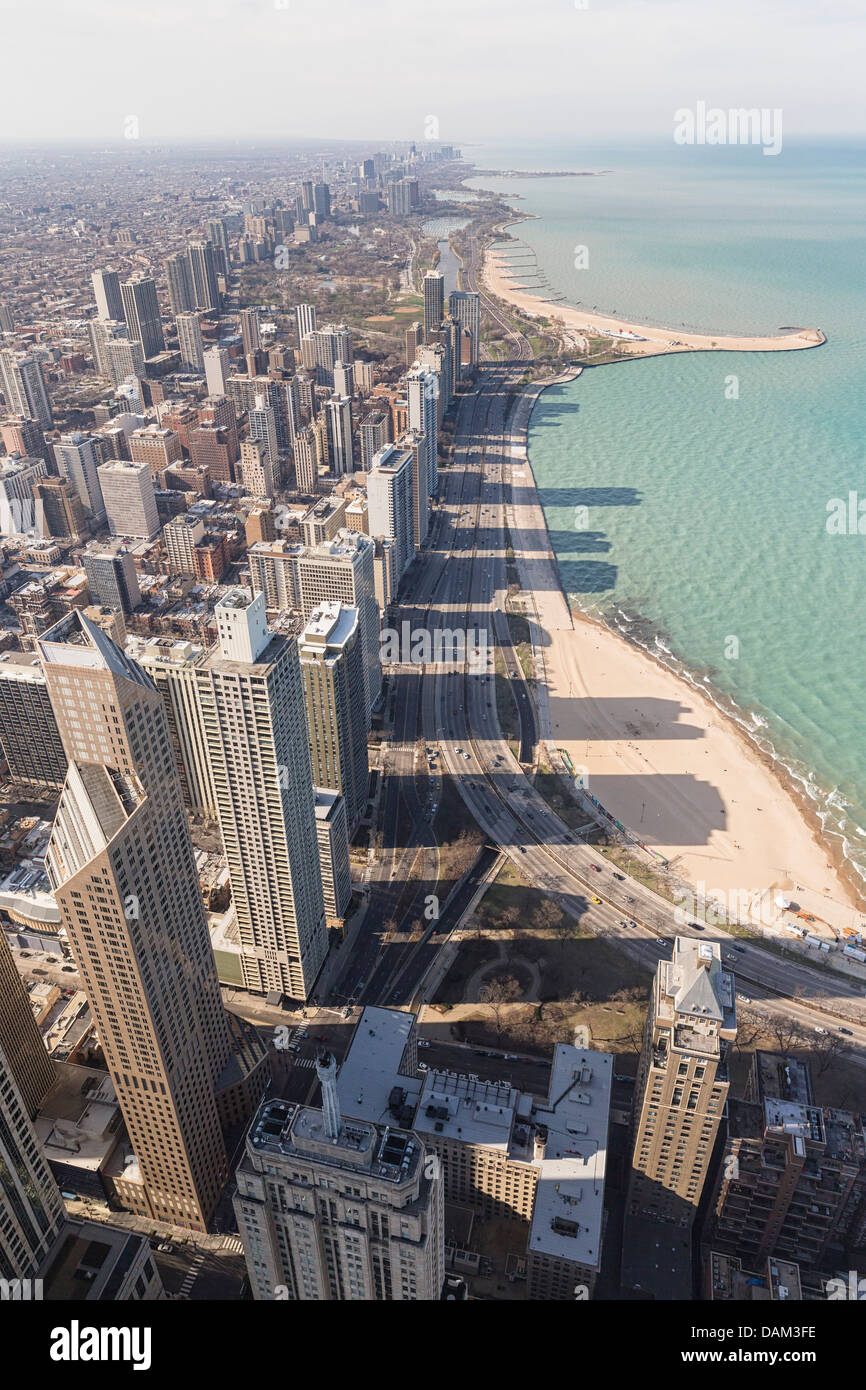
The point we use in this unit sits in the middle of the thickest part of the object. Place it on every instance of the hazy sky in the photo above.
(492, 70)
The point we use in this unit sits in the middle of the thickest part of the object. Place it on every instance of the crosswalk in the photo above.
(305, 1061)
(233, 1243)
(191, 1276)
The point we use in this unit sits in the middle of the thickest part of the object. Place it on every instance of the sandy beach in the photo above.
(504, 281)
(659, 755)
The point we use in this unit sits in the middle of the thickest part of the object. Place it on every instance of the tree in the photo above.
(496, 994)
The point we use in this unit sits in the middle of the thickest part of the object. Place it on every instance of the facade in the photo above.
(681, 1090)
(251, 698)
(29, 736)
(23, 387)
(181, 535)
(106, 292)
(204, 279)
(189, 342)
(63, 515)
(31, 1210)
(111, 576)
(79, 458)
(181, 296)
(121, 866)
(20, 1040)
(171, 664)
(257, 469)
(792, 1180)
(141, 314)
(332, 669)
(422, 392)
(332, 833)
(130, 504)
(335, 1209)
(391, 501)
(216, 370)
(338, 413)
(434, 301)
(17, 513)
(465, 308)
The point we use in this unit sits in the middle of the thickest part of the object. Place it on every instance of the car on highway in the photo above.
(595, 900)
(697, 926)
(624, 923)
(422, 1066)
(820, 1030)
(743, 999)
(621, 877)
(522, 849)
(847, 1031)
(596, 867)
(662, 941)
(741, 949)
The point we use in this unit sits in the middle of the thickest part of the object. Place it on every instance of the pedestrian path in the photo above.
(191, 1276)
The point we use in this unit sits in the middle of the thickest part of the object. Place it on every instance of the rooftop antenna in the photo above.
(326, 1070)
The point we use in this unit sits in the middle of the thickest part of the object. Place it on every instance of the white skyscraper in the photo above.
(216, 370)
(106, 292)
(306, 317)
(23, 386)
(423, 393)
(190, 343)
(130, 504)
(251, 698)
(79, 457)
(390, 501)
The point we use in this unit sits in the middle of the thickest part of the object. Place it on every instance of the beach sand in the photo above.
(659, 755)
(501, 280)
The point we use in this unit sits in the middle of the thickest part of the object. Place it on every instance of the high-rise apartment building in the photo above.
(204, 279)
(374, 432)
(17, 511)
(20, 1039)
(141, 314)
(216, 370)
(422, 391)
(24, 436)
(106, 292)
(332, 833)
(23, 387)
(79, 458)
(680, 1092)
(190, 343)
(63, 515)
(338, 413)
(180, 536)
(125, 359)
(336, 1209)
(101, 332)
(257, 469)
(250, 331)
(434, 301)
(29, 736)
(130, 504)
(305, 315)
(391, 501)
(111, 576)
(306, 461)
(464, 307)
(331, 344)
(251, 697)
(171, 664)
(302, 577)
(332, 668)
(31, 1210)
(124, 877)
(181, 296)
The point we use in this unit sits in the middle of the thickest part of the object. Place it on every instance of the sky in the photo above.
(489, 71)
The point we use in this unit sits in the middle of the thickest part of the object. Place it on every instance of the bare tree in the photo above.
(828, 1049)
(496, 994)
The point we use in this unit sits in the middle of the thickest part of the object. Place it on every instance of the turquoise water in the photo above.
(706, 499)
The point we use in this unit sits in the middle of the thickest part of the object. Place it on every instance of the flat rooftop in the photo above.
(372, 1065)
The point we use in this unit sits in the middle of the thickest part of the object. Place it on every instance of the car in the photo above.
(662, 941)
(621, 1076)
(346, 1011)
(623, 922)
(697, 926)
(522, 849)
(466, 756)
(741, 949)
(596, 867)
(820, 1030)
(847, 1031)
(166, 1248)
(595, 900)
(422, 1066)
(743, 999)
(510, 1057)
(423, 1042)
(632, 922)
(621, 877)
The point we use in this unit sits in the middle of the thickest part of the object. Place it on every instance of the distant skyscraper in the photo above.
(413, 338)
(141, 313)
(181, 295)
(130, 504)
(111, 576)
(377, 1233)
(124, 877)
(216, 370)
(306, 472)
(63, 514)
(338, 411)
(251, 697)
(218, 235)
(250, 331)
(190, 344)
(344, 379)
(79, 458)
(434, 300)
(306, 318)
(321, 200)
(257, 469)
(332, 344)
(465, 307)
(423, 396)
(106, 291)
(204, 280)
(23, 387)
(390, 501)
(332, 667)
(125, 360)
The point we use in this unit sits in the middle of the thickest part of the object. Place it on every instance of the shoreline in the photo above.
(649, 340)
(727, 827)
